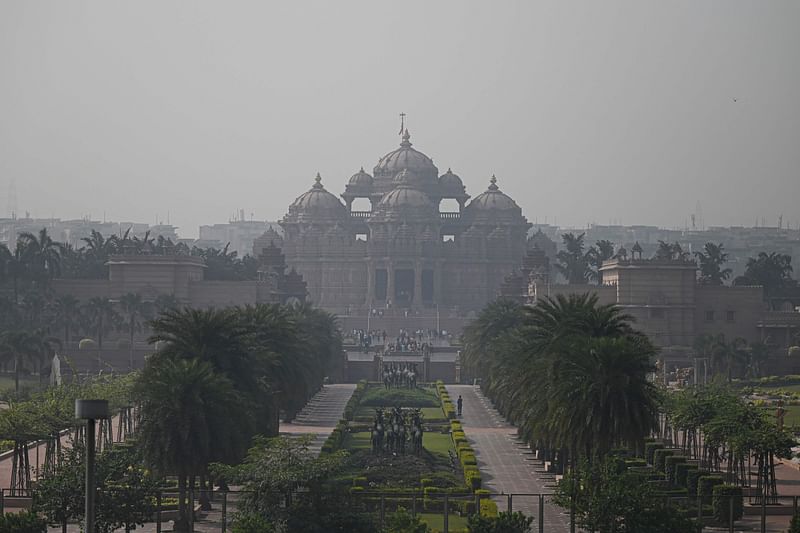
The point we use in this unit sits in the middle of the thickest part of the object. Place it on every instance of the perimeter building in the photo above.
(405, 251)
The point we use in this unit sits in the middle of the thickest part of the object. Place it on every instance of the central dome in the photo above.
(406, 158)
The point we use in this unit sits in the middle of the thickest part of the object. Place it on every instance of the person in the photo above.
(459, 404)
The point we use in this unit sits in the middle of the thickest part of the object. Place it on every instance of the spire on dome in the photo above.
(318, 182)
(493, 183)
(406, 139)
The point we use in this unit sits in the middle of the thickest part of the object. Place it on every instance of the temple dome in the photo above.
(493, 200)
(360, 179)
(450, 180)
(405, 196)
(317, 202)
(408, 158)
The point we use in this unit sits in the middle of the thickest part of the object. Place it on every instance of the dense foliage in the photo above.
(220, 377)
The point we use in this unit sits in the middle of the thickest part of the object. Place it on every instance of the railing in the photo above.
(360, 214)
(450, 216)
(214, 511)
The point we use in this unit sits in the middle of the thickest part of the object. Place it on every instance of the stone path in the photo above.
(507, 466)
(321, 414)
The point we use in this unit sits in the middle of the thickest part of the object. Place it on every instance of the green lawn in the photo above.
(436, 521)
(433, 414)
(7, 382)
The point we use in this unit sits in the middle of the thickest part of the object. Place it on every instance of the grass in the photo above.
(379, 396)
(7, 383)
(436, 521)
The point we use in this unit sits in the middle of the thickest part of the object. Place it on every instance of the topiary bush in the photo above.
(650, 449)
(681, 471)
(721, 502)
(692, 479)
(705, 487)
(660, 456)
(669, 466)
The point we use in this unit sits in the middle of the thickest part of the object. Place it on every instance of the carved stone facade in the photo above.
(404, 252)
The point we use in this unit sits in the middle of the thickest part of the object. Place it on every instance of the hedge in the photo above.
(705, 487)
(720, 505)
(650, 449)
(660, 456)
(473, 479)
(681, 471)
(693, 478)
(669, 466)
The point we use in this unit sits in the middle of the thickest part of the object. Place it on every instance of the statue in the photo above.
(377, 432)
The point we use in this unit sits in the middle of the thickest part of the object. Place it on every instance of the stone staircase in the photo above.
(320, 415)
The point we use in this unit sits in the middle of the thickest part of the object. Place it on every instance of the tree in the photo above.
(711, 259)
(134, 311)
(773, 271)
(573, 263)
(60, 490)
(41, 254)
(21, 347)
(101, 319)
(67, 310)
(190, 416)
(670, 252)
(603, 251)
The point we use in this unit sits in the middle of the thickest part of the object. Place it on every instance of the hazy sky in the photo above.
(586, 112)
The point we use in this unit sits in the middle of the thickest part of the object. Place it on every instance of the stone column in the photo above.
(370, 285)
(417, 285)
(390, 283)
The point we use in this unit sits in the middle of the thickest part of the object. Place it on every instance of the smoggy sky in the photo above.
(586, 111)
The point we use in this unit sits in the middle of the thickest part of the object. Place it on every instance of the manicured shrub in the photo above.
(360, 481)
(692, 479)
(705, 487)
(433, 499)
(503, 523)
(721, 502)
(488, 508)
(681, 471)
(650, 449)
(473, 479)
(660, 456)
(669, 465)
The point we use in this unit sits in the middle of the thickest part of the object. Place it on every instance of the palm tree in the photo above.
(101, 318)
(13, 266)
(711, 260)
(67, 310)
(573, 263)
(42, 255)
(670, 252)
(165, 302)
(134, 310)
(603, 251)
(22, 348)
(601, 397)
(190, 416)
(773, 271)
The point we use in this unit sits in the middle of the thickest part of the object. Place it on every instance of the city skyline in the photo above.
(635, 112)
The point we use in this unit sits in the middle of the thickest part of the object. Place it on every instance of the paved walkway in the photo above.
(321, 414)
(507, 465)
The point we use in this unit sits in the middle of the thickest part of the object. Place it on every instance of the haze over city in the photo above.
(632, 112)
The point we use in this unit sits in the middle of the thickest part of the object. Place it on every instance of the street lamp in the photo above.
(90, 410)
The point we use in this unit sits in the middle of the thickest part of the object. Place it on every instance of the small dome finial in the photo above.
(362, 168)
(318, 182)
(406, 139)
(493, 183)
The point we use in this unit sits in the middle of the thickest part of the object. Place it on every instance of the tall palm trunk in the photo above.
(182, 523)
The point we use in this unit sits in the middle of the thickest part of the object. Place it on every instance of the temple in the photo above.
(405, 251)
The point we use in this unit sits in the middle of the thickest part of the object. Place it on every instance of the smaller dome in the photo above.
(317, 201)
(450, 180)
(405, 196)
(360, 179)
(493, 200)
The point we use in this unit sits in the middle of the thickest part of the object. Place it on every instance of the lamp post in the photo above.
(90, 410)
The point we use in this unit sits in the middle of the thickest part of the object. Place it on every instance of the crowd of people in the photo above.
(405, 341)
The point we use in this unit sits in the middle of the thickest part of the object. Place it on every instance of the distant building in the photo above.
(404, 251)
(238, 234)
